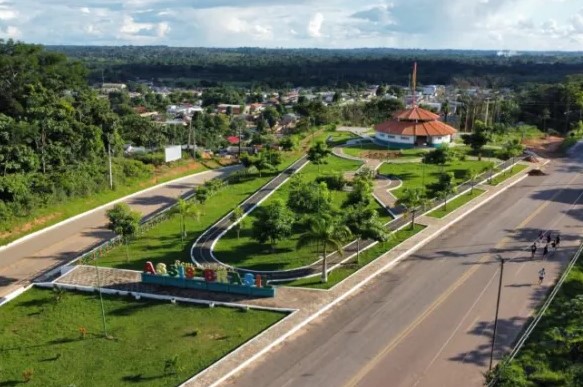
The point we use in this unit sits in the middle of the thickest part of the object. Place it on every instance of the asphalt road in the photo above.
(429, 320)
(22, 262)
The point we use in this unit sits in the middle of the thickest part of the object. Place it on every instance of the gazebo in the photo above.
(413, 127)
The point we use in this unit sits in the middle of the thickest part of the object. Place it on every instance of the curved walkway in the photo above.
(202, 250)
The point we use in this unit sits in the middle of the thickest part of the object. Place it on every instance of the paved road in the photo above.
(22, 262)
(428, 321)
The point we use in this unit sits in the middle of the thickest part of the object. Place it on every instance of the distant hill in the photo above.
(191, 66)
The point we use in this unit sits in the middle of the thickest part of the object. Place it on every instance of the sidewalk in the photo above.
(308, 303)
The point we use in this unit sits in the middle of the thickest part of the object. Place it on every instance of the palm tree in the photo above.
(328, 233)
(363, 222)
(472, 175)
(412, 199)
(236, 216)
(183, 208)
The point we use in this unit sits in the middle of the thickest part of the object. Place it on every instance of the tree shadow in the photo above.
(155, 200)
(506, 334)
(140, 378)
(10, 383)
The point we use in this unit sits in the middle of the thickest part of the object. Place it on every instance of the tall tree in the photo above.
(412, 199)
(236, 218)
(273, 223)
(124, 222)
(329, 233)
(364, 223)
(184, 208)
(318, 152)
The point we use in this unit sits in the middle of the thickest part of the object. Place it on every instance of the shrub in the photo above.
(334, 182)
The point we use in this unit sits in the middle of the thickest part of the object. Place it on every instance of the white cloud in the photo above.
(315, 25)
(10, 32)
(476, 24)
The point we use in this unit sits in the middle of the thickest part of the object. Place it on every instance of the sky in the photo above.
(440, 24)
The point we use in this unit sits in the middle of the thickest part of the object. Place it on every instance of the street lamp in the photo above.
(502, 261)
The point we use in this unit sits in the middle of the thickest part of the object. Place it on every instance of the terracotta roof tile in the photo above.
(416, 114)
(409, 128)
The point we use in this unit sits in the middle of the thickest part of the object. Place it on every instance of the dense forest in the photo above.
(183, 66)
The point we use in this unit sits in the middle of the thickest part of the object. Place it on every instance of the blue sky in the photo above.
(463, 24)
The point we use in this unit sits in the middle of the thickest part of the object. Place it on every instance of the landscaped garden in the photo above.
(55, 338)
(163, 241)
(375, 151)
(365, 257)
(421, 175)
(241, 249)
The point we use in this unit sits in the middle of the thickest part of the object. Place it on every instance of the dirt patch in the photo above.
(382, 155)
(545, 146)
(25, 228)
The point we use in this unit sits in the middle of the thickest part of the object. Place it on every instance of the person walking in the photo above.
(541, 235)
(557, 240)
(549, 238)
(545, 251)
(533, 250)
(541, 275)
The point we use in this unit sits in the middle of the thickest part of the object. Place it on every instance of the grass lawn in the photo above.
(518, 133)
(53, 214)
(367, 148)
(247, 253)
(43, 335)
(455, 203)
(163, 243)
(508, 174)
(366, 257)
(415, 175)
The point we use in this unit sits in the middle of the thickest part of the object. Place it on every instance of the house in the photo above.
(107, 88)
(288, 119)
(233, 140)
(413, 127)
(224, 108)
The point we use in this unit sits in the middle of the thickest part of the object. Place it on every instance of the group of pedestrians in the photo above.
(554, 243)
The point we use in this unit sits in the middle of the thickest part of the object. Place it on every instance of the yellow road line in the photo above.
(397, 340)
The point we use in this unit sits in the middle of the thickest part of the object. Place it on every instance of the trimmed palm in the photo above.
(183, 209)
(329, 234)
(412, 199)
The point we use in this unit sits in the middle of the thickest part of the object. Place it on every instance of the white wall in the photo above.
(441, 139)
(395, 138)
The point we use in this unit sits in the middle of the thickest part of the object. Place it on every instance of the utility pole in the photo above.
(486, 117)
(502, 261)
(109, 157)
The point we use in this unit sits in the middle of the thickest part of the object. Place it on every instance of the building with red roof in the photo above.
(233, 140)
(414, 127)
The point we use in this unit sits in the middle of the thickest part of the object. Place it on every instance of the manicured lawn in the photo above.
(43, 336)
(508, 174)
(55, 213)
(378, 150)
(163, 243)
(366, 257)
(247, 253)
(455, 203)
(416, 175)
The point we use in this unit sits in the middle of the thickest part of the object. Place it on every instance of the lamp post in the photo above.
(502, 261)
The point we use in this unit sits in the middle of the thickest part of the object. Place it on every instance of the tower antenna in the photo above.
(414, 84)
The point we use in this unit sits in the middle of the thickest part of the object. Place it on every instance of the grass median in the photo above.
(456, 203)
(55, 339)
(508, 174)
(366, 256)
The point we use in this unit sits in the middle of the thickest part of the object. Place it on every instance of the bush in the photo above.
(334, 182)
(156, 159)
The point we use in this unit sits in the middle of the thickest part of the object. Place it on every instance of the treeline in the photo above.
(183, 66)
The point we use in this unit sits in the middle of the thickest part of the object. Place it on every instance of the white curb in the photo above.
(73, 218)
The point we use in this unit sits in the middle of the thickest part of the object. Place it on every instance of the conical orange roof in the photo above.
(416, 114)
